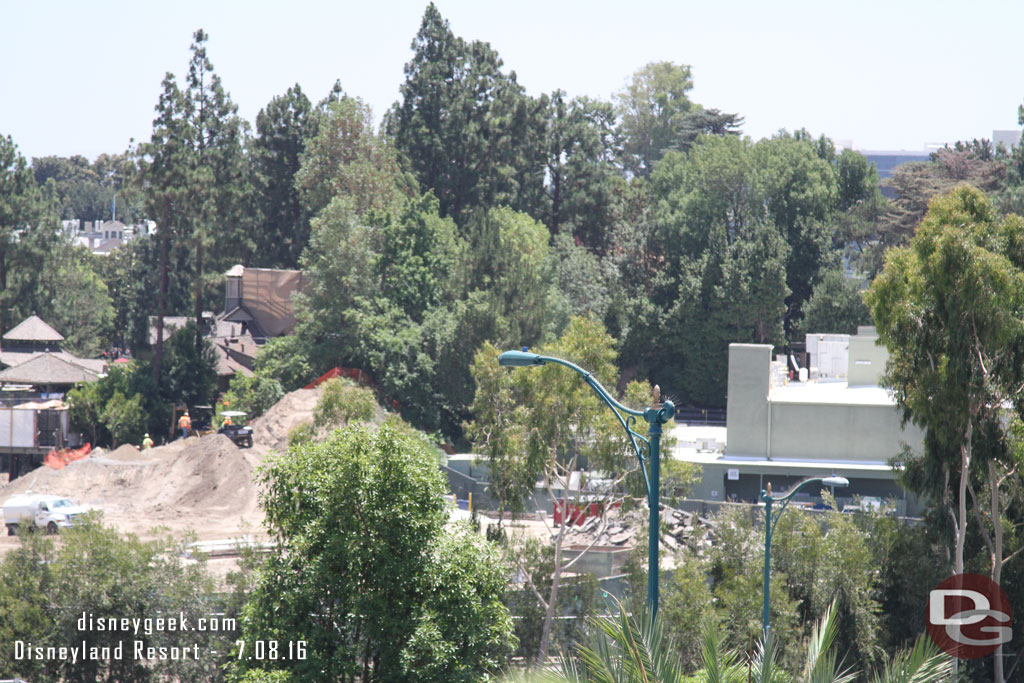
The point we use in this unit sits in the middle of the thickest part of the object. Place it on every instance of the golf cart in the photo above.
(241, 435)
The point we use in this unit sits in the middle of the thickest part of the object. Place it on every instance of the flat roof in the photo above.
(706, 458)
(831, 393)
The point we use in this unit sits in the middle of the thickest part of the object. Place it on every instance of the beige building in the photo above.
(782, 430)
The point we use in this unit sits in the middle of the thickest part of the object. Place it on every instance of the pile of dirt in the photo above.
(205, 484)
(209, 475)
(271, 429)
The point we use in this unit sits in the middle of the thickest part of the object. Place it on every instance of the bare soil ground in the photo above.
(201, 484)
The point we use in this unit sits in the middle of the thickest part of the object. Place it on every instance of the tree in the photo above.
(582, 181)
(252, 394)
(190, 374)
(467, 130)
(46, 588)
(367, 574)
(651, 110)
(19, 207)
(74, 298)
(948, 307)
(345, 159)
(836, 306)
(545, 423)
(193, 174)
(124, 418)
(723, 271)
(916, 183)
(283, 129)
(801, 195)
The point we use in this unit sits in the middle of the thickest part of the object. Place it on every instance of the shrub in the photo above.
(342, 403)
(301, 434)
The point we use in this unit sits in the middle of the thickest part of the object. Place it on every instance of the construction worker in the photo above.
(185, 424)
(147, 442)
(227, 420)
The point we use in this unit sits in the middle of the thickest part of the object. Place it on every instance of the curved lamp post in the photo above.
(647, 449)
(771, 519)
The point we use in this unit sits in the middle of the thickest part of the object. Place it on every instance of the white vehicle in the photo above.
(40, 511)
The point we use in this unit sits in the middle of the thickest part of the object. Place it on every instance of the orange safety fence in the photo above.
(358, 376)
(58, 459)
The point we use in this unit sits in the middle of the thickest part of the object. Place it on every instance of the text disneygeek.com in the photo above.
(138, 648)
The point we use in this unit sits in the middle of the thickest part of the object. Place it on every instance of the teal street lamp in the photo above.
(772, 518)
(647, 449)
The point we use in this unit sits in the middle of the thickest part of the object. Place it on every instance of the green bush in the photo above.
(343, 403)
(301, 434)
(254, 395)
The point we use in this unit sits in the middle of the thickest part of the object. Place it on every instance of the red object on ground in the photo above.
(58, 459)
(578, 512)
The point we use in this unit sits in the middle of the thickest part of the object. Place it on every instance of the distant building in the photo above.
(257, 306)
(783, 430)
(260, 300)
(102, 237)
(34, 341)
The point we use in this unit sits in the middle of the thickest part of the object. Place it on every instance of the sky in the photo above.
(84, 77)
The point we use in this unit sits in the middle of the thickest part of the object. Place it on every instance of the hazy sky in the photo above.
(82, 77)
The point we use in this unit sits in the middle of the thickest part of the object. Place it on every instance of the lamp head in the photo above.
(835, 481)
(519, 359)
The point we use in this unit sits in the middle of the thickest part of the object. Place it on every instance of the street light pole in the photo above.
(648, 450)
(771, 519)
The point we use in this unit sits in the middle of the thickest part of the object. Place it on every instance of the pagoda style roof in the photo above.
(48, 368)
(33, 329)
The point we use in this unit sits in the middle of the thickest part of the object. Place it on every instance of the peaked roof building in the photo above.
(31, 351)
(34, 330)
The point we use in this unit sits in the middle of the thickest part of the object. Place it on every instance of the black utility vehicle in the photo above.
(241, 435)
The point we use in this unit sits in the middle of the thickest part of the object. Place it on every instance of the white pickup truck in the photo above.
(40, 511)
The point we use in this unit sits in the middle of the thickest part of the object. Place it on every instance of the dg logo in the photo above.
(969, 616)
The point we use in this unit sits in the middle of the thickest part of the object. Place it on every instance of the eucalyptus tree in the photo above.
(949, 307)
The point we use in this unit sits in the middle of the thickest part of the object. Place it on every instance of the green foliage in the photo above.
(253, 395)
(835, 307)
(582, 182)
(346, 160)
(286, 360)
(651, 109)
(189, 373)
(46, 588)
(367, 573)
(577, 597)
(120, 407)
(529, 419)
(801, 196)
(467, 130)
(301, 434)
(124, 418)
(283, 129)
(948, 308)
(342, 403)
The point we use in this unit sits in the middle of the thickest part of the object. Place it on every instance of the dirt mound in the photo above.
(125, 452)
(271, 429)
(205, 484)
(210, 475)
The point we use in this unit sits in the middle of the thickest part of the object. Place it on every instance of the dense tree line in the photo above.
(476, 212)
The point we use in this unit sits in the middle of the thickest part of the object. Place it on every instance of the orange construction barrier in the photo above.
(358, 376)
(58, 459)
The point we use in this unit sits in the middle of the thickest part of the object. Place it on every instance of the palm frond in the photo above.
(628, 648)
(923, 663)
(718, 664)
(822, 664)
